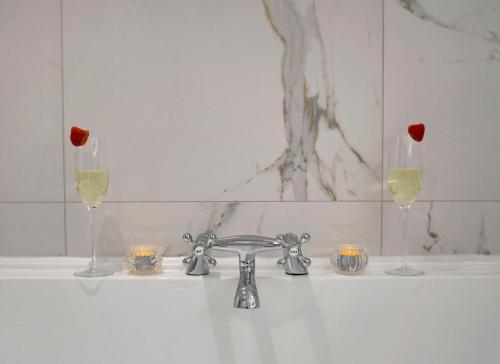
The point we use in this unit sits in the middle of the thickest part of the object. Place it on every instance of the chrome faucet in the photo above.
(200, 262)
(293, 261)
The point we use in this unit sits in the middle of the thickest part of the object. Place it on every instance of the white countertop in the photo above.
(227, 267)
(449, 315)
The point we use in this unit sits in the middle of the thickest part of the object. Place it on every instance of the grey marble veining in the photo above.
(221, 215)
(481, 242)
(433, 235)
(123, 224)
(463, 25)
(469, 24)
(285, 94)
(309, 99)
(444, 228)
(441, 66)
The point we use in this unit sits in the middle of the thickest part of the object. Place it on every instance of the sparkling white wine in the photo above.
(92, 186)
(405, 184)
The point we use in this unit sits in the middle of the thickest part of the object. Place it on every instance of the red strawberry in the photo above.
(417, 131)
(78, 136)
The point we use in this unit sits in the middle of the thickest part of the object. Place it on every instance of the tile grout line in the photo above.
(63, 133)
(382, 133)
(237, 201)
(249, 201)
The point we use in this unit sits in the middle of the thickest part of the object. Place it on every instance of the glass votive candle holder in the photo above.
(349, 259)
(144, 259)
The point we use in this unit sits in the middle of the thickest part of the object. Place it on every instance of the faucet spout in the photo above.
(246, 294)
(246, 246)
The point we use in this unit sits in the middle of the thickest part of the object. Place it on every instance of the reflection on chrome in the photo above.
(246, 246)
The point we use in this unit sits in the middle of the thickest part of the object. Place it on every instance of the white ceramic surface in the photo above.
(49, 316)
(32, 229)
(121, 224)
(200, 83)
(189, 98)
(31, 158)
(444, 228)
(442, 67)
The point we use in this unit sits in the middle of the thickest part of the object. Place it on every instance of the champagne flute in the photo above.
(404, 178)
(91, 183)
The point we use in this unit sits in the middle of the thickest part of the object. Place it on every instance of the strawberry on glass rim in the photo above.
(417, 132)
(78, 136)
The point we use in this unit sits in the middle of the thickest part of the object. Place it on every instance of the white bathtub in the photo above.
(451, 315)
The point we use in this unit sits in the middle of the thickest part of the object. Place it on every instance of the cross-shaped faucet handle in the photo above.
(200, 261)
(293, 261)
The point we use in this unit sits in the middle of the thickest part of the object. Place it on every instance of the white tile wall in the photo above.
(208, 99)
(31, 158)
(188, 96)
(442, 67)
(444, 228)
(30, 101)
(121, 224)
(182, 93)
(35, 229)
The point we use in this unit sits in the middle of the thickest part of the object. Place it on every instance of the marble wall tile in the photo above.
(120, 224)
(284, 95)
(202, 103)
(442, 67)
(444, 228)
(32, 229)
(31, 156)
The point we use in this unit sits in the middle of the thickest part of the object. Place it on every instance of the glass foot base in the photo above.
(405, 271)
(93, 272)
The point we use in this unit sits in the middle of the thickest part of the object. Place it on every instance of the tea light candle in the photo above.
(349, 259)
(144, 259)
(349, 251)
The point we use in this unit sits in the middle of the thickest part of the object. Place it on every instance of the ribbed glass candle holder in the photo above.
(349, 259)
(144, 259)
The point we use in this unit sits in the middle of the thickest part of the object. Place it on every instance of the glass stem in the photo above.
(404, 225)
(93, 264)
